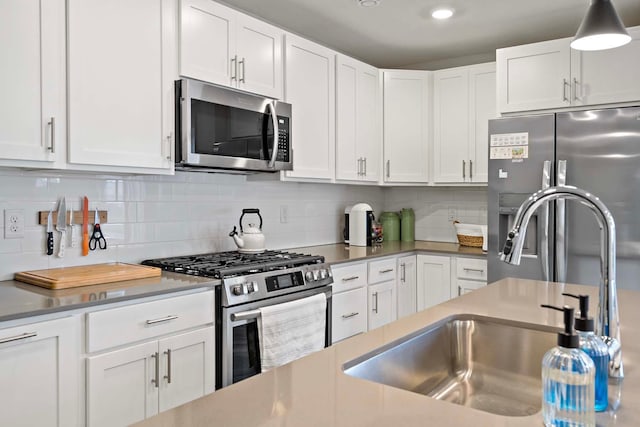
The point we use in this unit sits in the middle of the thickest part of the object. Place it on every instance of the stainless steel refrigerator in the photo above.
(598, 151)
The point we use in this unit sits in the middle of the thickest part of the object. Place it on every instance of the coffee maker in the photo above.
(345, 231)
(361, 225)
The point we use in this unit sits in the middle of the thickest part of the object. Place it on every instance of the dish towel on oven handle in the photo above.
(291, 330)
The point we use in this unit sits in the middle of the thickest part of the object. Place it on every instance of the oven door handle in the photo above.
(253, 314)
(276, 135)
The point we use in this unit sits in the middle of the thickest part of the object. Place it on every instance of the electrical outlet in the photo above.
(284, 214)
(451, 214)
(13, 223)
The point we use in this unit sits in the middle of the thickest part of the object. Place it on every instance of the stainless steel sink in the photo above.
(488, 364)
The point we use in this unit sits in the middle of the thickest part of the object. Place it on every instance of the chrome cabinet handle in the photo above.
(348, 279)
(169, 139)
(561, 230)
(388, 168)
(365, 166)
(544, 219)
(463, 169)
(564, 90)
(470, 169)
(575, 89)
(19, 337)
(234, 67)
(403, 274)
(52, 146)
(168, 376)
(360, 167)
(242, 64)
(479, 270)
(350, 315)
(276, 135)
(162, 319)
(388, 270)
(155, 381)
(375, 298)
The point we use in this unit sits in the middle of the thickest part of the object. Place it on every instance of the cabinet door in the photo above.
(123, 385)
(369, 122)
(466, 286)
(259, 49)
(121, 82)
(32, 79)
(349, 163)
(310, 88)
(207, 42)
(348, 314)
(39, 374)
(606, 76)
(451, 125)
(406, 133)
(533, 76)
(382, 304)
(434, 280)
(187, 369)
(482, 108)
(407, 297)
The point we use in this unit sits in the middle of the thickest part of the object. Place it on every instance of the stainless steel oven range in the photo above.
(251, 282)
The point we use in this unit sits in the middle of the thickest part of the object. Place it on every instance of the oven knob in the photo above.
(315, 275)
(252, 287)
(309, 276)
(237, 290)
(323, 274)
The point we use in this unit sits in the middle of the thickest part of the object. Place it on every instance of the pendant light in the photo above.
(601, 28)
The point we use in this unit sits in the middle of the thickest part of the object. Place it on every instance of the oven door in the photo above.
(240, 342)
(222, 128)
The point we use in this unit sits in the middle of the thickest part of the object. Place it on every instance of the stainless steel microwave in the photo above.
(219, 128)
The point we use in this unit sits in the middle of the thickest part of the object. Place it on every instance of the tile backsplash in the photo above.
(156, 216)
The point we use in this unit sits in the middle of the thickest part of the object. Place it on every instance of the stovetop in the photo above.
(222, 265)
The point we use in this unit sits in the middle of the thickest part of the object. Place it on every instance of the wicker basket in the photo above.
(468, 234)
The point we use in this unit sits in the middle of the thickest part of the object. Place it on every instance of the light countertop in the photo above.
(313, 391)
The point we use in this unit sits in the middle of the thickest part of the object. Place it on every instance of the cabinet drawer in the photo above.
(136, 322)
(348, 314)
(382, 270)
(466, 286)
(469, 268)
(349, 277)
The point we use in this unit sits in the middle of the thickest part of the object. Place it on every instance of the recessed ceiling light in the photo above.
(442, 13)
(368, 3)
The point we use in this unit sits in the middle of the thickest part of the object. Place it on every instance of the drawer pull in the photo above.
(19, 337)
(348, 279)
(388, 270)
(350, 315)
(479, 270)
(162, 319)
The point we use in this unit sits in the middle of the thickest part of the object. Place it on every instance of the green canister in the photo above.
(390, 226)
(408, 225)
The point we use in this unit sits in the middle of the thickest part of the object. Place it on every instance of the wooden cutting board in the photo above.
(85, 275)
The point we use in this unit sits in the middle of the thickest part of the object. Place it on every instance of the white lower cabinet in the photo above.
(382, 304)
(434, 280)
(469, 274)
(349, 314)
(406, 290)
(39, 367)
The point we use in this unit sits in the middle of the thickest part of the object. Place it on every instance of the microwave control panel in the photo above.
(284, 143)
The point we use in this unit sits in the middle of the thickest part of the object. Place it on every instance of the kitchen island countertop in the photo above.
(313, 391)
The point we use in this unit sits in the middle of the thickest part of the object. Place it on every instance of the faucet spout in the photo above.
(608, 324)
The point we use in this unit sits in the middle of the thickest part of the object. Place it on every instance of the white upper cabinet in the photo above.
(551, 75)
(310, 89)
(222, 46)
(121, 77)
(464, 101)
(406, 109)
(32, 79)
(358, 124)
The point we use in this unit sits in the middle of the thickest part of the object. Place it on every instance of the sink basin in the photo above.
(484, 363)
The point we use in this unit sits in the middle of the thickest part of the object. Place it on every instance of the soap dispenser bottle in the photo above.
(568, 374)
(595, 348)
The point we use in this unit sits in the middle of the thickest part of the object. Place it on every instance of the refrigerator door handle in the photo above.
(544, 222)
(561, 228)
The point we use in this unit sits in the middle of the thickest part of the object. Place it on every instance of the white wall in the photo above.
(157, 216)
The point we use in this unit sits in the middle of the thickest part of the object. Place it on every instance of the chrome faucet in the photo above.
(608, 324)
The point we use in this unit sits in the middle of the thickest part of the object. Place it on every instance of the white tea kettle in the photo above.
(250, 240)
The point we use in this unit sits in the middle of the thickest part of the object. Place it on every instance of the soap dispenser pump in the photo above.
(595, 348)
(568, 374)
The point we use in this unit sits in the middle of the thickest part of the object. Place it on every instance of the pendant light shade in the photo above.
(601, 28)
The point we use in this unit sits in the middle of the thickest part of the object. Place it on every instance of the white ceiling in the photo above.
(400, 33)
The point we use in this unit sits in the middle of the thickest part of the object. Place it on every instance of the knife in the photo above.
(50, 234)
(74, 235)
(85, 227)
(61, 226)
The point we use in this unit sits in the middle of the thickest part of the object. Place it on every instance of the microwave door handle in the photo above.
(276, 136)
